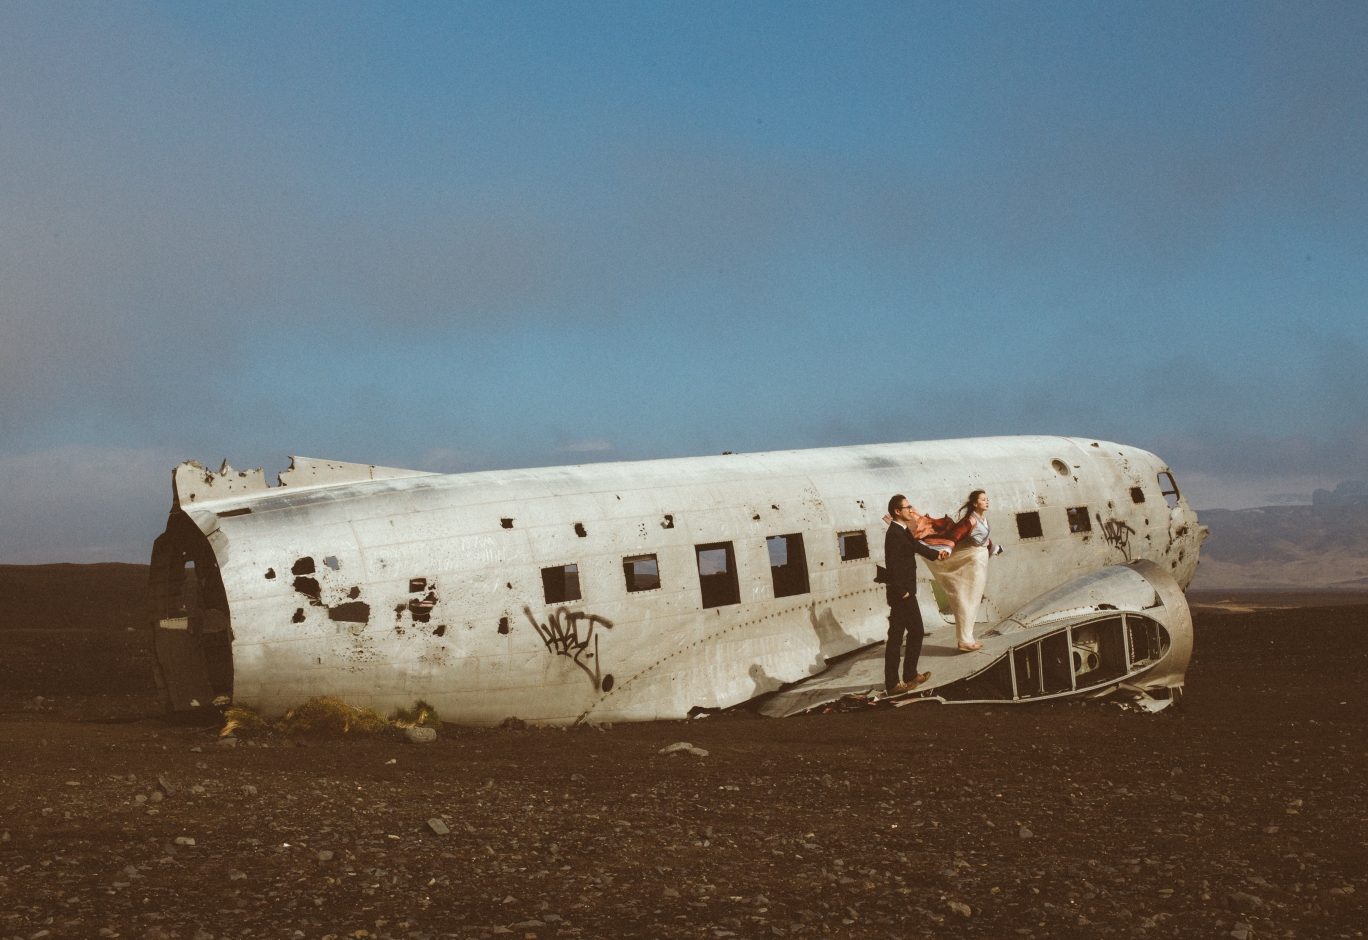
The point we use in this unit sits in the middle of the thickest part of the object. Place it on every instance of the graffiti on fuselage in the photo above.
(1117, 533)
(570, 633)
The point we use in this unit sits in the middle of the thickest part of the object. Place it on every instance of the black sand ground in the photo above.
(1242, 813)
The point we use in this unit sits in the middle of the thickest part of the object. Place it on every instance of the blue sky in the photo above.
(478, 236)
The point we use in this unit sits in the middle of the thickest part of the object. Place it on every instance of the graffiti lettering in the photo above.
(562, 635)
(1117, 533)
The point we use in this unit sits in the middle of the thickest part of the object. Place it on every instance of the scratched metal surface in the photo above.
(479, 642)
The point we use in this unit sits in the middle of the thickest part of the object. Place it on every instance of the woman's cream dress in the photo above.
(963, 576)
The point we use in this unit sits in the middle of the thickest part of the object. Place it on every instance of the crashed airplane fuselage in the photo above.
(638, 591)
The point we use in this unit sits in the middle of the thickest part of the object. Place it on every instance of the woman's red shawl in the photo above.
(942, 532)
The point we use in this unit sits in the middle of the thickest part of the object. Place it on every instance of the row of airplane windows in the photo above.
(716, 570)
(788, 562)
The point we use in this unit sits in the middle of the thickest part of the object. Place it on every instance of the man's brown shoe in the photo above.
(917, 681)
(900, 688)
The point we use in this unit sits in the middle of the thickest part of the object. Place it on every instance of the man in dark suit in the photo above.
(904, 616)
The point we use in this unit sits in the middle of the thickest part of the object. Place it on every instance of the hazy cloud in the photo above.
(81, 503)
(446, 460)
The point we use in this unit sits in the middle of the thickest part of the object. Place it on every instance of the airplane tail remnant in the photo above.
(636, 591)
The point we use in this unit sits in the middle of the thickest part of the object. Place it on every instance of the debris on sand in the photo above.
(420, 735)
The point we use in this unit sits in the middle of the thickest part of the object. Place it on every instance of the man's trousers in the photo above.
(904, 617)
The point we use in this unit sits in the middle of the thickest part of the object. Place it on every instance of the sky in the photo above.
(474, 236)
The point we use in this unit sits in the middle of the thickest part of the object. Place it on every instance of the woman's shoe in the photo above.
(971, 649)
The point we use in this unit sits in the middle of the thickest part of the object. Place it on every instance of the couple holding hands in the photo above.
(957, 552)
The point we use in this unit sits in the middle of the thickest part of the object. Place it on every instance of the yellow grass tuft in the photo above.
(330, 716)
(421, 714)
(242, 718)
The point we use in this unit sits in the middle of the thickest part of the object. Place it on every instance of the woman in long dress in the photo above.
(964, 575)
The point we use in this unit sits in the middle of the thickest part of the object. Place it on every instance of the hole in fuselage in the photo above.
(310, 589)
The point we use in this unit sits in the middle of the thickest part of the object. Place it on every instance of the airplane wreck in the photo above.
(650, 590)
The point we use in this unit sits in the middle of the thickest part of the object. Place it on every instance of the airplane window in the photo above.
(1169, 488)
(717, 574)
(1056, 662)
(1028, 525)
(788, 564)
(642, 573)
(1026, 662)
(561, 583)
(1099, 652)
(853, 545)
(1078, 519)
(1148, 640)
(1137, 495)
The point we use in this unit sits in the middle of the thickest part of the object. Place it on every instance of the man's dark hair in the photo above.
(895, 503)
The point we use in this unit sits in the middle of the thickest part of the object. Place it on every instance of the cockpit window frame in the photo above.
(1171, 490)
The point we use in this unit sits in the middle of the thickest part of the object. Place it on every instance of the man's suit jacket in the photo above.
(900, 558)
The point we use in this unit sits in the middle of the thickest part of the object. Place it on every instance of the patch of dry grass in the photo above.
(421, 714)
(330, 716)
(241, 719)
(327, 717)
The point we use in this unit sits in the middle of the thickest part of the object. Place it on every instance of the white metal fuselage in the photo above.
(431, 586)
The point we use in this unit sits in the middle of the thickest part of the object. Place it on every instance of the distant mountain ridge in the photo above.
(1323, 546)
(1348, 493)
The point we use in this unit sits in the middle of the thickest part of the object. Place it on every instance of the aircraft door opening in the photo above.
(191, 627)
